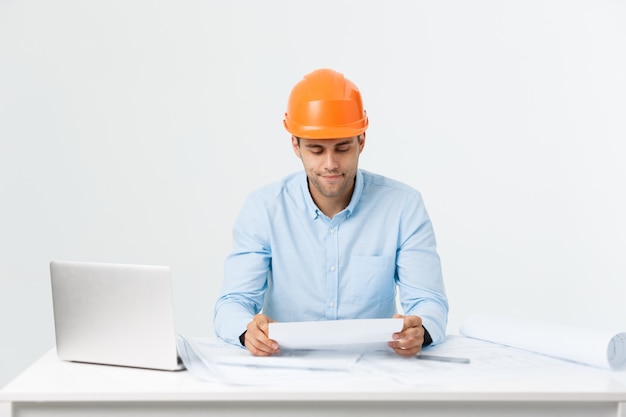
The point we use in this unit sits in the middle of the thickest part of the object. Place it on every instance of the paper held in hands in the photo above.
(334, 333)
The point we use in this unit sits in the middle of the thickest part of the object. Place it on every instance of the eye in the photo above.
(343, 149)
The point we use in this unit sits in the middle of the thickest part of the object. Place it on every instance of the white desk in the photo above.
(51, 387)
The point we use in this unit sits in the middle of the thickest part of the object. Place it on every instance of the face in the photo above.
(330, 165)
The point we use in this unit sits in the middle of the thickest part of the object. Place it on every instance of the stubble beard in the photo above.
(332, 190)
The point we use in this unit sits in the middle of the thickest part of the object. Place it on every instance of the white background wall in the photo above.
(131, 131)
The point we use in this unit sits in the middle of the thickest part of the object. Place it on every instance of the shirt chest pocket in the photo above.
(371, 280)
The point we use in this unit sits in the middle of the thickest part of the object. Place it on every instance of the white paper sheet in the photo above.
(595, 347)
(214, 360)
(334, 333)
(489, 361)
(217, 361)
(223, 354)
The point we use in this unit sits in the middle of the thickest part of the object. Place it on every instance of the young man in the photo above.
(332, 242)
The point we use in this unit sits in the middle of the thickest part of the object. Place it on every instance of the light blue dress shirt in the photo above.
(296, 264)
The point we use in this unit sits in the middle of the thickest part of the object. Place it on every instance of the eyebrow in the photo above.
(318, 145)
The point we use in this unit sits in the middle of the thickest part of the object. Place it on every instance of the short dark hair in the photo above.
(359, 137)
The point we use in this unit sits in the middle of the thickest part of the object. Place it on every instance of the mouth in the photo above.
(331, 178)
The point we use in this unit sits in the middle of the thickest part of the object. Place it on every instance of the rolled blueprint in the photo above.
(601, 348)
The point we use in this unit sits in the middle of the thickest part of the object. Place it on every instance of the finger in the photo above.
(409, 333)
(407, 347)
(261, 322)
(259, 345)
(403, 351)
(408, 342)
(412, 321)
(257, 340)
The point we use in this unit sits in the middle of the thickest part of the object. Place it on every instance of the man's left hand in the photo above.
(409, 341)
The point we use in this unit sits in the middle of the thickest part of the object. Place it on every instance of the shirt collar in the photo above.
(315, 212)
(356, 194)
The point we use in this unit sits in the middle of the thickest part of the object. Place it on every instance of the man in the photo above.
(332, 242)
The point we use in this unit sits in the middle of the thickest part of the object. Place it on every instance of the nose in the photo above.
(331, 163)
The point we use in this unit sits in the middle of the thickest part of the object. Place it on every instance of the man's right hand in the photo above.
(256, 338)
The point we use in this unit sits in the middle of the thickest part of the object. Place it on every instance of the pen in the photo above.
(442, 358)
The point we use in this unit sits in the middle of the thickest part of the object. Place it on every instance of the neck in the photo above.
(331, 205)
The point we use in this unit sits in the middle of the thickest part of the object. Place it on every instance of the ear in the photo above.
(362, 142)
(296, 147)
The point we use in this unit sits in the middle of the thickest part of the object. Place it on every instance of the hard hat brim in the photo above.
(326, 132)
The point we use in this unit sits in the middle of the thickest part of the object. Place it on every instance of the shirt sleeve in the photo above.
(245, 275)
(418, 269)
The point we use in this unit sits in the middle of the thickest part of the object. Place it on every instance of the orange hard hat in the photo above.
(325, 105)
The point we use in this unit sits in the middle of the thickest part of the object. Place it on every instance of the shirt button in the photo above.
(333, 269)
(332, 231)
(331, 305)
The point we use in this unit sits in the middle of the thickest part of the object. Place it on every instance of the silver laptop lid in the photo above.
(114, 314)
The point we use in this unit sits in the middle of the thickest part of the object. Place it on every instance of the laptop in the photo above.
(114, 314)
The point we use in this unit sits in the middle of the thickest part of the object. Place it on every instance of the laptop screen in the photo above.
(114, 314)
